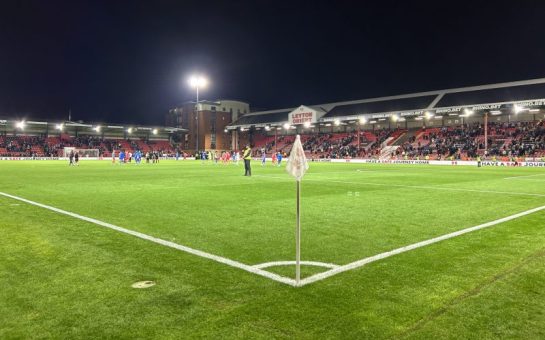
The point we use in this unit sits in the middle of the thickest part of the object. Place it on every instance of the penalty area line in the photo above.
(363, 262)
(200, 253)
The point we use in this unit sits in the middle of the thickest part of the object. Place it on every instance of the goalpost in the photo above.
(83, 153)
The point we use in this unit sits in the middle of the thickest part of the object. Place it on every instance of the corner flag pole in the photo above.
(298, 236)
(297, 166)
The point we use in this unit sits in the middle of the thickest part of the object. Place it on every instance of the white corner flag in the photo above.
(297, 166)
(297, 163)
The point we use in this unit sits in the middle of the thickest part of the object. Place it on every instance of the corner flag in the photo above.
(297, 163)
(297, 166)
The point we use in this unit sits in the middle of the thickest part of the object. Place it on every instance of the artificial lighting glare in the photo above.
(428, 115)
(20, 125)
(286, 126)
(241, 129)
(154, 131)
(129, 130)
(468, 112)
(225, 130)
(518, 108)
(268, 128)
(534, 110)
(60, 126)
(307, 124)
(198, 81)
(362, 120)
(97, 128)
(337, 122)
(395, 118)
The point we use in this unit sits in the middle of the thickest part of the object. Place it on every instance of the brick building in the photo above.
(206, 122)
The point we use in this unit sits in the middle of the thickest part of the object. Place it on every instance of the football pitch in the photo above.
(390, 251)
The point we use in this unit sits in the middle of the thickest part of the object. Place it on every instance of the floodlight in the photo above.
(518, 109)
(59, 127)
(337, 122)
(154, 131)
(362, 120)
(20, 125)
(428, 114)
(97, 128)
(307, 124)
(241, 129)
(198, 81)
(468, 112)
(286, 126)
(129, 130)
(395, 118)
(268, 128)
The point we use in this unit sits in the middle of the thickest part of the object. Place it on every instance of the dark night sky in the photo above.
(127, 61)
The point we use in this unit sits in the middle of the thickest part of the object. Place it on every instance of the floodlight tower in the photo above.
(197, 82)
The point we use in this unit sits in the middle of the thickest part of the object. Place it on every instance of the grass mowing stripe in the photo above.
(413, 186)
(362, 262)
(143, 236)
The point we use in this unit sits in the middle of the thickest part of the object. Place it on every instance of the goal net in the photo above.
(83, 153)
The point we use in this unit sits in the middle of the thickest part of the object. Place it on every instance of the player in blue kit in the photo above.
(263, 156)
(137, 157)
(279, 158)
(122, 157)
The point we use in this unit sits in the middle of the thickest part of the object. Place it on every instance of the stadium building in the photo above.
(206, 123)
(41, 138)
(522, 101)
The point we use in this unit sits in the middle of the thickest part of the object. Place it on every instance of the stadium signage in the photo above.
(302, 115)
(29, 158)
(486, 107)
(531, 103)
(411, 113)
(449, 109)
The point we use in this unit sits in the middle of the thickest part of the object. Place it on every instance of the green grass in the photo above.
(61, 277)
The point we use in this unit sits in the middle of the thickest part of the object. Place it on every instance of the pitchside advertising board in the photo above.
(527, 163)
(301, 115)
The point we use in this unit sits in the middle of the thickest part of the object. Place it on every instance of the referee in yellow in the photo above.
(247, 156)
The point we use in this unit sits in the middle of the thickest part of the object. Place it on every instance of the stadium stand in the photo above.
(32, 146)
(515, 139)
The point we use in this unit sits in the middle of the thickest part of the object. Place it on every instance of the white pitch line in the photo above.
(363, 262)
(412, 186)
(146, 237)
(291, 263)
(523, 177)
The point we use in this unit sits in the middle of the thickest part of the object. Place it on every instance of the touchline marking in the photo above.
(412, 186)
(363, 262)
(257, 269)
(523, 177)
(146, 237)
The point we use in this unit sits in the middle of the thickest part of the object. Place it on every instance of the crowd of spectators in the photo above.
(514, 139)
(34, 146)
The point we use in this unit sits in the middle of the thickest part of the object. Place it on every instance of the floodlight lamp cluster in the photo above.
(198, 81)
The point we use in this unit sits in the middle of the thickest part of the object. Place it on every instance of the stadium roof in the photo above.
(272, 117)
(478, 98)
(83, 127)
